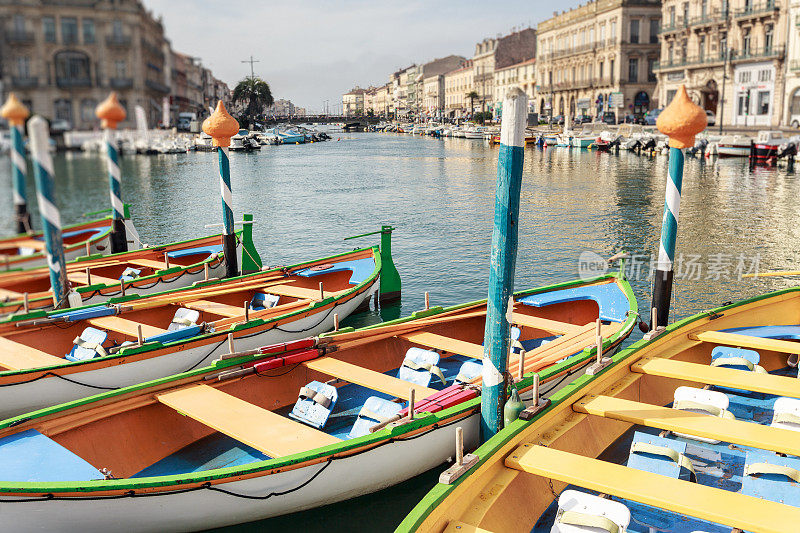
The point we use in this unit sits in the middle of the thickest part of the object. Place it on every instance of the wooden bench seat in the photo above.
(296, 292)
(448, 344)
(79, 276)
(6, 294)
(368, 378)
(697, 424)
(29, 243)
(17, 356)
(561, 347)
(746, 341)
(268, 432)
(148, 263)
(125, 326)
(723, 377)
(545, 324)
(217, 308)
(729, 508)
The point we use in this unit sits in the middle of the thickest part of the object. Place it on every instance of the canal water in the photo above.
(439, 195)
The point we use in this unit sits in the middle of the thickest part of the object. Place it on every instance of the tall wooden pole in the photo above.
(680, 121)
(16, 113)
(48, 209)
(221, 127)
(503, 260)
(110, 112)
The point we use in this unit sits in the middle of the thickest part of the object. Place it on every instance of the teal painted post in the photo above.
(228, 234)
(19, 168)
(119, 237)
(662, 284)
(503, 261)
(51, 219)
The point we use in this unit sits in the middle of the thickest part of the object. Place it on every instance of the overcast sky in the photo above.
(311, 51)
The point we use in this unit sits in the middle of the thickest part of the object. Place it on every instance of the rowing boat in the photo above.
(236, 441)
(695, 430)
(87, 238)
(99, 277)
(56, 356)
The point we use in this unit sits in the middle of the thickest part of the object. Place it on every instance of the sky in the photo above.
(312, 51)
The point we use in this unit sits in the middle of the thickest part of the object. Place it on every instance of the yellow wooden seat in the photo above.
(463, 527)
(125, 326)
(723, 377)
(368, 378)
(148, 263)
(79, 276)
(448, 344)
(29, 243)
(724, 507)
(8, 295)
(17, 356)
(297, 292)
(688, 422)
(217, 308)
(268, 432)
(746, 341)
(551, 326)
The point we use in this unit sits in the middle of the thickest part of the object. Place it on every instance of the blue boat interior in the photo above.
(361, 269)
(612, 301)
(731, 467)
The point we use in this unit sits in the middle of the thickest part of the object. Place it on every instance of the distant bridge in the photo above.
(324, 119)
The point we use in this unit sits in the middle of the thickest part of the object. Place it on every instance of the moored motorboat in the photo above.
(235, 442)
(768, 145)
(734, 146)
(705, 417)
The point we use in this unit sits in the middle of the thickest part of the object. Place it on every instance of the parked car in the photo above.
(609, 118)
(711, 118)
(559, 120)
(651, 116)
(582, 119)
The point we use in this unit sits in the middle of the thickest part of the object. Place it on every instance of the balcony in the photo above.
(794, 66)
(717, 17)
(156, 86)
(120, 83)
(692, 61)
(69, 83)
(118, 40)
(679, 25)
(19, 37)
(761, 9)
(772, 52)
(24, 82)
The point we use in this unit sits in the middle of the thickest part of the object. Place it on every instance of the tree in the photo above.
(472, 95)
(256, 93)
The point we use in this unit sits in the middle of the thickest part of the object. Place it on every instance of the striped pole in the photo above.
(16, 113)
(681, 121)
(110, 112)
(51, 219)
(221, 127)
(503, 261)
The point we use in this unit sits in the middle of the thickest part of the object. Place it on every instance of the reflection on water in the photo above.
(439, 194)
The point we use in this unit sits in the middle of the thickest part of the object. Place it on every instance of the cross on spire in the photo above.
(251, 61)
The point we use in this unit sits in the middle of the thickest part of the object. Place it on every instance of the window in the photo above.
(63, 109)
(701, 48)
(672, 16)
(88, 106)
(651, 65)
(795, 105)
(765, 75)
(49, 29)
(600, 70)
(742, 104)
(768, 33)
(120, 69)
(72, 69)
(686, 12)
(744, 76)
(634, 31)
(591, 35)
(671, 94)
(746, 42)
(654, 24)
(633, 69)
(723, 44)
(23, 67)
(19, 24)
(116, 29)
(88, 31)
(602, 32)
(69, 30)
(583, 37)
(611, 71)
(763, 103)
(703, 8)
(613, 30)
(670, 53)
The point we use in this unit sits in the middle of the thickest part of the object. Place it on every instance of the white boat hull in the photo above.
(728, 150)
(24, 397)
(338, 480)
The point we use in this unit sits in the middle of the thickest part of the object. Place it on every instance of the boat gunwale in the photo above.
(580, 385)
(422, 421)
(22, 259)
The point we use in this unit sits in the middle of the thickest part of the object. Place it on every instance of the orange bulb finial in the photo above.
(14, 111)
(681, 120)
(221, 126)
(110, 112)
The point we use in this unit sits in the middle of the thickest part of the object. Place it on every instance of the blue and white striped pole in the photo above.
(228, 233)
(681, 120)
(221, 126)
(503, 261)
(51, 218)
(16, 113)
(111, 112)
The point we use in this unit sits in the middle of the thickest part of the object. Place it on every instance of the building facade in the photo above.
(353, 102)
(499, 53)
(791, 108)
(63, 58)
(730, 55)
(599, 48)
(522, 75)
(458, 84)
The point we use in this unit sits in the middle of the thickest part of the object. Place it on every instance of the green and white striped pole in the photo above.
(221, 127)
(503, 261)
(16, 113)
(681, 121)
(51, 218)
(110, 112)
